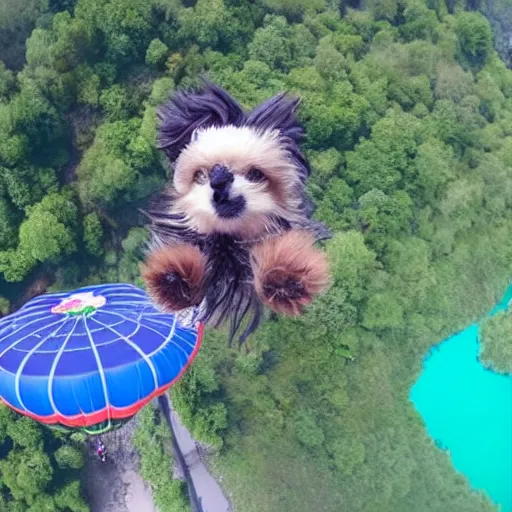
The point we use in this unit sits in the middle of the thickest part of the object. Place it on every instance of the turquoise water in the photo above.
(468, 411)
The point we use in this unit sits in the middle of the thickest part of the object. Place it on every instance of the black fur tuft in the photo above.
(188, 110)
(230, 292)
(278, 113)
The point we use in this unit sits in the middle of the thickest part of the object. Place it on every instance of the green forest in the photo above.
(496, 350)
(408, 114)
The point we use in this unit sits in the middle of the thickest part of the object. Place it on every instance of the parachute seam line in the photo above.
(27, 336)
(170, 362)
(101, 370)
(135, 347)
(24, 313)
(168, 340)
(53, 369)
(150, 328)
(186, 329)
(11, 318)
(178, 336)
(171, 334)
(44, 297)
(128, 295)
(139, 322)
(105, 288)
(25, 360)
(130, 304)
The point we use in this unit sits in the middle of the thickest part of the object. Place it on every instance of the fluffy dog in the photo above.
(234, 231)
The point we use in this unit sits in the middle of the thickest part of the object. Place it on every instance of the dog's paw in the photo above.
(289, 272)
(284, 292)
(174, 277)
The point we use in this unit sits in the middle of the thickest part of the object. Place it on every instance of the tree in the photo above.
(115, 103)
(329, 62)
(125, 25)
(380, 162)
(93, 234)
(6, 81)
(32, 115)
(384, 9)
(17, 19)
(453, 82)
(16, 264)
(103, 178)
(293, 8)
(496, 343)
(26, 474)
(105, 172)
(420, 22)
(209, 23)
(69, 457)
(46, 235)
(352, 263)
(8, 228)
(271, 44)
(156, 53)
(150, 439)
(307, 430)
(44, 238)
(161, 90)
(475, 38)
(70, 497)
(5, 306)
(25, 432)
(434, 165)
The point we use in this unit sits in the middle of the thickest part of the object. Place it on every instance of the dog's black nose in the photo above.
(220, 177)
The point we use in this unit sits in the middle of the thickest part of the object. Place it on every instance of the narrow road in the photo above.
(206, 494)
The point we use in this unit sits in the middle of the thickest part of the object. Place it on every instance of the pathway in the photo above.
(206, 494)
(117, 486)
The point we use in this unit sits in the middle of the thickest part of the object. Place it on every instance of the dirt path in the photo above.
(207, 495)
(117, 486)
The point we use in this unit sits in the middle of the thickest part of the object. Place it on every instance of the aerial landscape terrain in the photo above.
(407, 106)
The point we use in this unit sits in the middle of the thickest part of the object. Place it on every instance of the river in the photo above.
(468, 411)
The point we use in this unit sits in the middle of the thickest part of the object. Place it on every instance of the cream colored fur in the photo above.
(239, 149)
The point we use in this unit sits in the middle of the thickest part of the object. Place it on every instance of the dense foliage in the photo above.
(408, 111)
(496, 343)
(39, 472)
(152, 440)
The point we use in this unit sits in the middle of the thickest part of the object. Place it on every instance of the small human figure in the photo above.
(101, 451)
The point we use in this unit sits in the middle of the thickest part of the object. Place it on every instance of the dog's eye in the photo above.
(255, 175)
(200, 177)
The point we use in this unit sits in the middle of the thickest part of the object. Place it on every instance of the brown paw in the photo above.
(174, 277)
(289, 272)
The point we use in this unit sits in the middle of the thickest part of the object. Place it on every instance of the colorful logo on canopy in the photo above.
(79, 304)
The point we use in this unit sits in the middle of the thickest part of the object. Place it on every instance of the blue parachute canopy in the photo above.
(91, 358)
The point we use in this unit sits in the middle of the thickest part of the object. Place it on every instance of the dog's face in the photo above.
(234, 172)
(234, 179)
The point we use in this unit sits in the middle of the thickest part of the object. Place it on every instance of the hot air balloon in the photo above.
(92, 358)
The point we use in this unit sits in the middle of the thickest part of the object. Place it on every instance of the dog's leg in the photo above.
(289, 271)
(174, 277)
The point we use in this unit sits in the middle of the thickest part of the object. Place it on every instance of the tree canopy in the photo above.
(496, 343)
(408, 114)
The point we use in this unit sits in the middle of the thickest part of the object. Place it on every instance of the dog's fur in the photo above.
(234, 231)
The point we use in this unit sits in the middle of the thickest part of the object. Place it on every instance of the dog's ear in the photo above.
(278, 113)
(187, 111)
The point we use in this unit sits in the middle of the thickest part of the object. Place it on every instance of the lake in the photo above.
(468, 411)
